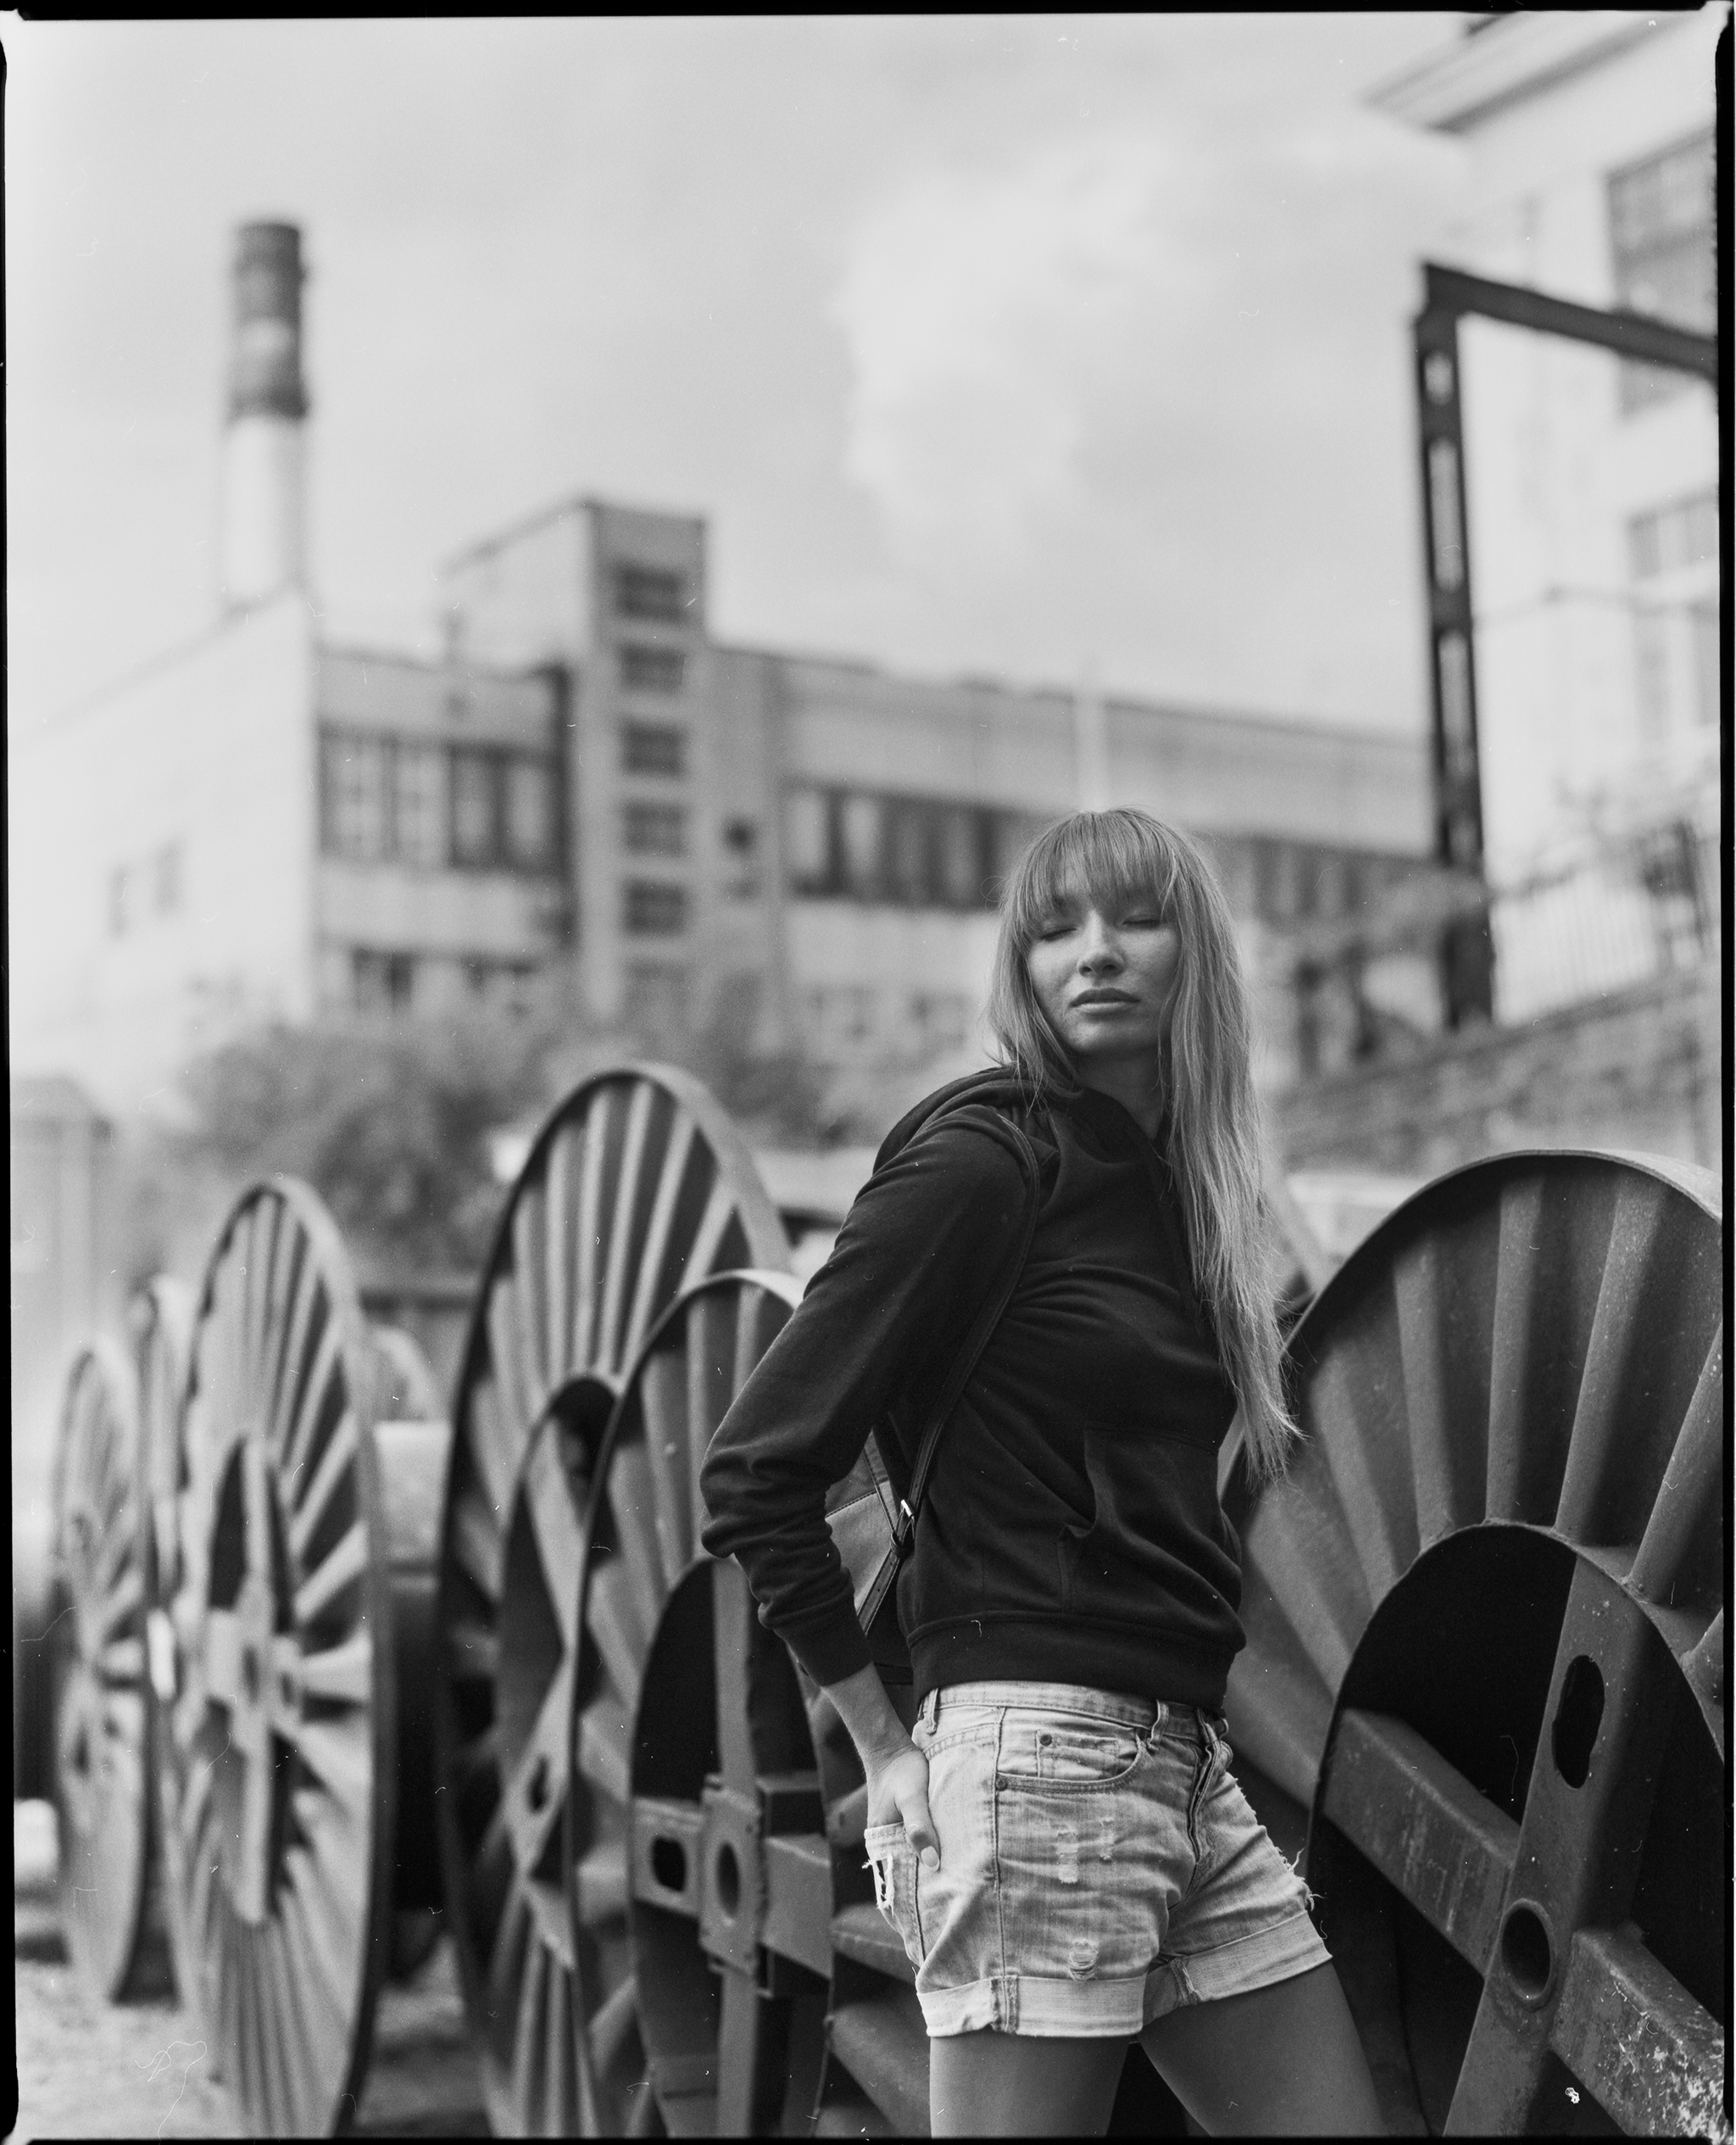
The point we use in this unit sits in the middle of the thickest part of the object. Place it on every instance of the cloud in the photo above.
(974, 307)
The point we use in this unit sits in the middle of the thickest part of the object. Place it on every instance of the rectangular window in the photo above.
(1660, 239)
(1011, 834)
(419, 808)
(652, 670)
(807, 841)
(860, 826)
(907, 851)
(354, 771)
(503, 986)
(958, 845)
(654, 830)
(530, 812)
(654, 909)
(475, 837)
(1667, 539)
(650, 592)
(653, 749)
(381, 983)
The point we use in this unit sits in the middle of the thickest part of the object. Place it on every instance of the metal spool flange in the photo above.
(302, 1482)
(1485, 1623)
(101, 1773)
(636, 1185)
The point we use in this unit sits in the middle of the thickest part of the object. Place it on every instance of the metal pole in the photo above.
(1467, 948)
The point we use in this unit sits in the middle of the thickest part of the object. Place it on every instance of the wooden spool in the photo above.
(636, 1185)
(1485, 1623)
(295, 1585)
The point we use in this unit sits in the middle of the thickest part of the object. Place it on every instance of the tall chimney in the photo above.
(261, 536)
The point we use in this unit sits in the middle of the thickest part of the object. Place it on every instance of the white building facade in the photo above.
(1592, 481)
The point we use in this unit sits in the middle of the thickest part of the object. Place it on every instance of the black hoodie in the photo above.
(1072, 1532)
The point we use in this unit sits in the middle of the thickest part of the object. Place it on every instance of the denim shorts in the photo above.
(1098, 1866)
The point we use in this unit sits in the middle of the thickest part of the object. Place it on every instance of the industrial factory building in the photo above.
(589, 804)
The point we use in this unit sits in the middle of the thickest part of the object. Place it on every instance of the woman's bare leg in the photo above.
(988, 2084)
(1282, 2061)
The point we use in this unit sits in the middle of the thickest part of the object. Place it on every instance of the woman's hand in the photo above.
(897, 1771)
(898, 1790)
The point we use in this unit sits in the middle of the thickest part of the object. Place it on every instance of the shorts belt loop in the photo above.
(930, 1708)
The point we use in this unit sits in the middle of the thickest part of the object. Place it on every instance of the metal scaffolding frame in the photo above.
(1468, 951)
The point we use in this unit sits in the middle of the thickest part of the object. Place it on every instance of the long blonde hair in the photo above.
(1215, 1146)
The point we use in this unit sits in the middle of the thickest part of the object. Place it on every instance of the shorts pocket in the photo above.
(893, 1862)
(1057, 1751)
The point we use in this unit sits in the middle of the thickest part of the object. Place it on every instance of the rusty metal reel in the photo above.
(636, 1185)
(300, 1515)
(1485, 1621)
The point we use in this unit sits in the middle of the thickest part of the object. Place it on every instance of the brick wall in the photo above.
(1641, 1068)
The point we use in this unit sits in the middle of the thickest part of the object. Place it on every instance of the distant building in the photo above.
(589, 802)
(1593, 481)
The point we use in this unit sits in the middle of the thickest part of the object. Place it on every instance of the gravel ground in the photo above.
(91, 2069)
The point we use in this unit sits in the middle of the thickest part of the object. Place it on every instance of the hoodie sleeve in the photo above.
(914, 1262)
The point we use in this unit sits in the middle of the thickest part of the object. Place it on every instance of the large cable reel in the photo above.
(637, 1186)
(294, 1530)
(1485, 1620)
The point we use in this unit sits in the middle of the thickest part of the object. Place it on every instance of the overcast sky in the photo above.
(1009, 346)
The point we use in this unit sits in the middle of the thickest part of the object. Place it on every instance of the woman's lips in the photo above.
(1105, 998)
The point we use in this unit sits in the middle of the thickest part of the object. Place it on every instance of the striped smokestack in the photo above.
(262, 533)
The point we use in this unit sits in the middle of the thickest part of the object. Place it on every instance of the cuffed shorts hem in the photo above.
(1047, 2009)
(1245, 1964)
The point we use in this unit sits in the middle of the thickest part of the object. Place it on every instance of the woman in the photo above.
(1060, 1843)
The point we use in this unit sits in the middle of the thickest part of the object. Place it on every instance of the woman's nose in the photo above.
(1100, 951)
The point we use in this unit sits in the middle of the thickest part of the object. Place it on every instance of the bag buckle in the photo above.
(902, 1525)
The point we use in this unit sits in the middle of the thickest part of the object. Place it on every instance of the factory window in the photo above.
(908, 875)
(923, 851)
(654, 749)
(418, 805)
(650, 592)
(530, 813)
(1010, 834)
(807, 841)
(1660, 237)
(860, 823)
(1667, 539)
(959, 851)
(654, 909)
(741, 844)
(655, 830)
(503, 986)
(381, 983)
(652, 670)
(475, 815)
(355, 796)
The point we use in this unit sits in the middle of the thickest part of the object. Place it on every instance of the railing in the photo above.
(1646, 908)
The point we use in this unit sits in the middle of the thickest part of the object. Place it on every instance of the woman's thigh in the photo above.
(1281, 2061)
(990, 2084)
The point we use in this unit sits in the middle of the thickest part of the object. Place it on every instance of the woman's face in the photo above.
(1106, 978)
